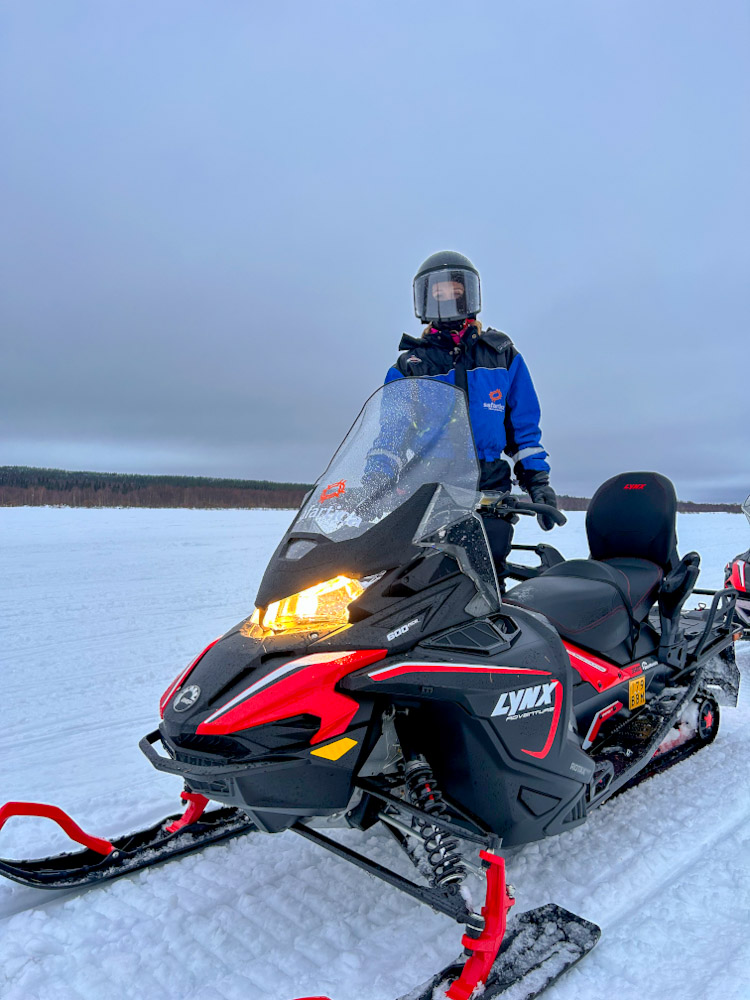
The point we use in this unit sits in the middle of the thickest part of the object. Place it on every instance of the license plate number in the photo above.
(637, 692)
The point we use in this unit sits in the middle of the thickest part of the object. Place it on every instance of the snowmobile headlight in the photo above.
(326, 604)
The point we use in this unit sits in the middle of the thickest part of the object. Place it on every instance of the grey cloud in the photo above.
(213, 218)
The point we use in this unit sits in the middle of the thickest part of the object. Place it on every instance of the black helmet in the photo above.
(446, 289)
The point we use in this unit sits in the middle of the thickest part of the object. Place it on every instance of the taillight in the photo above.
(178, 681)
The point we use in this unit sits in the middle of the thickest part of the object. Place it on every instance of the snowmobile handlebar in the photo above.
(506, 505)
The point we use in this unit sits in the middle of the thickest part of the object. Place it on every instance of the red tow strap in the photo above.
(484, 949)
(196, 804)
(58, 816)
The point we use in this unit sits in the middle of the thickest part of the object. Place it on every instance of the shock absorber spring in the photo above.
(441, 849)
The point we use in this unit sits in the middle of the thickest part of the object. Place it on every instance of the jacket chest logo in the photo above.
(495, 401)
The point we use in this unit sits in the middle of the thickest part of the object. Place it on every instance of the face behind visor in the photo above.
(446, 296)
(447, 289)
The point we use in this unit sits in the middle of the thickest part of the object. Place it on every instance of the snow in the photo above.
(100, 609)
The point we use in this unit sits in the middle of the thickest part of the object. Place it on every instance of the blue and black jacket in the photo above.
(503, 405)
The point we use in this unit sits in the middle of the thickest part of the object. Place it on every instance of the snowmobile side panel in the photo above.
(495, 730)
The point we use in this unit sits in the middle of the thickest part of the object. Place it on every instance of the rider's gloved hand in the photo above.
(536, 484)
(379, 477)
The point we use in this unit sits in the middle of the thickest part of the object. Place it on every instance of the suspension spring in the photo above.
(440, 848)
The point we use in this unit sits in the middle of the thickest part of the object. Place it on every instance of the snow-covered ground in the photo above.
(100, 609)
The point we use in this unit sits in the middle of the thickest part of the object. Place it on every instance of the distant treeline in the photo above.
(21, 486)
(683, 506)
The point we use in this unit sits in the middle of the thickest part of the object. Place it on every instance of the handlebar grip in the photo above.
(544, 508)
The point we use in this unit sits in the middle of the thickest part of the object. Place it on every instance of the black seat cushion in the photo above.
(589, 602)
(634, 514)
(641, 580)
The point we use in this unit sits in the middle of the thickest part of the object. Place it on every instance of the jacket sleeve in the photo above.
(523, 413)
(387, 455)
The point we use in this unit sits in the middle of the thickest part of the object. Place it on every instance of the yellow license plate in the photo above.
(637, 692)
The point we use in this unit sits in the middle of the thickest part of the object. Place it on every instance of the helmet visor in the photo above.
(447, 295)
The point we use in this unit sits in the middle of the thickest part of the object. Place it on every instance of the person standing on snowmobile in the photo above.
(503, 405)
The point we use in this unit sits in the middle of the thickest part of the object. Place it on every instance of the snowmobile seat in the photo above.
(595, 604)
(601, 602)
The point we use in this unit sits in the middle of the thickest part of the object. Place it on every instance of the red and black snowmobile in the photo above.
(737, 576)
(383, 680)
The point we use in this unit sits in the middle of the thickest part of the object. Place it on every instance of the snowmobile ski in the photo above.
(103, 860)
(540, 946)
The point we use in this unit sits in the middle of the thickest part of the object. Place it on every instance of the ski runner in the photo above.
(503, 404)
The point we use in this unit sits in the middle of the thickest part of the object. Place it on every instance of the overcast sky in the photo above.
(212, 213)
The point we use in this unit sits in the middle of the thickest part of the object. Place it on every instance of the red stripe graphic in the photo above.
(553, 727)
(600, 673)
(386, 673)
(178, 681)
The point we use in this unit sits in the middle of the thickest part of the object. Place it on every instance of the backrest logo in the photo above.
(635, 486)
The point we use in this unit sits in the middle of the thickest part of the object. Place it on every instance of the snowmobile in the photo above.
(382, 680)
(737, 575)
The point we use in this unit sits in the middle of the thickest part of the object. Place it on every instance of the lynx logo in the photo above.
(186, 698)
(400, 631)
(537, 699)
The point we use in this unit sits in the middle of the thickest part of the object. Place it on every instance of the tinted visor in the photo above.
(444, 296)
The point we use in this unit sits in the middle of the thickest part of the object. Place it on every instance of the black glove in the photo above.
(536, 484)
(377, 482)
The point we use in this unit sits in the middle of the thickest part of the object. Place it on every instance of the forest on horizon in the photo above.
(23, 486)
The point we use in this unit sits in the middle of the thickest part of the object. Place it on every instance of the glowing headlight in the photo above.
(324, 604)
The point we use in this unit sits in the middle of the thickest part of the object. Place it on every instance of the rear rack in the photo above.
(717, 626)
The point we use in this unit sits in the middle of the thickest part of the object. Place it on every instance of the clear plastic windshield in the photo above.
(746, 508)
(411, 432)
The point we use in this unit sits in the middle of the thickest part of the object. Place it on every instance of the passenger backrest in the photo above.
(634, 514)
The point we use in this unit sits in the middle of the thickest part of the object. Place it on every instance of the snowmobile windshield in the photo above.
(746, 508)
(447, 295)
(411, 432)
